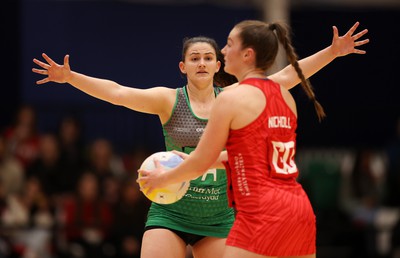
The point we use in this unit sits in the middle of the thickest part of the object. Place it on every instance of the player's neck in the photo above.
(253, 73)
(200, 94)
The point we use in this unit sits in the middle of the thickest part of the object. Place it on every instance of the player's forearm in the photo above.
(99, 88)
(223, 156)
(309, 65)
(312, 64)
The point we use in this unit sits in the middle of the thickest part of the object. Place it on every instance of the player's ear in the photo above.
(249, 54)
(218, 66)
(182, 67)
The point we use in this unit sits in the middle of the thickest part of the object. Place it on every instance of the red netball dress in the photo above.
(274, 215)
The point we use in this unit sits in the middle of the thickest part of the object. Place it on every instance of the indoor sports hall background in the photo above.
(138, 43)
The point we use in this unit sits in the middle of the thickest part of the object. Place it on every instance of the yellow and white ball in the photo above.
(171, 193)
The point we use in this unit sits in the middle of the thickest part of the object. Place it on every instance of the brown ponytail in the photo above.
(264, 39)
(282, 32)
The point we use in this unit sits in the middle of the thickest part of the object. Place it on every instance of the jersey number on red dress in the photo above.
(282, 151)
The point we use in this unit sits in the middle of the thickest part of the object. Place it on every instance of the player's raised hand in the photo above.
(55, 72)
(348, 43)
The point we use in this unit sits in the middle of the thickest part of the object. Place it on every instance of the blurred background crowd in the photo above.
(61, 198)
(68, 161)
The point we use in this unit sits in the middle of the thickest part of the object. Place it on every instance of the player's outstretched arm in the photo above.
(341, 46)
(147, 101)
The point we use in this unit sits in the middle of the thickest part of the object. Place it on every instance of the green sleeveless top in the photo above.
(204, 209)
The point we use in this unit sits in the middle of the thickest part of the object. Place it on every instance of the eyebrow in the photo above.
(198, 53)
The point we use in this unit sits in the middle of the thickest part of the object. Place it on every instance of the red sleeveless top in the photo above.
(262, 153)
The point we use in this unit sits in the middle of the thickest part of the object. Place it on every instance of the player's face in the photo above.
(232, 53)
(200, 63)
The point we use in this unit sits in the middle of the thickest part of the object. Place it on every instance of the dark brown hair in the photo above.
(264, 38)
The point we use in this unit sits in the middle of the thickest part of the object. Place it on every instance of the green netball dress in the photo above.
(204, 209)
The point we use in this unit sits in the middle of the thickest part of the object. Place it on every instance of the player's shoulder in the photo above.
(228, 97)
(165, 89)
(166, 92)
(232, 86)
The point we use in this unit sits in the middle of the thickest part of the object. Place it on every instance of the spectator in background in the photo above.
(393, 176)
(72, 151)
(130, 216)
(29, 217)
(22, 138)
(47, 167)
(366, 184)
(12, 174)
(133, 159)
(393, 184)
(5, 246)
(111, 190)
(87, 221)
(103, 161)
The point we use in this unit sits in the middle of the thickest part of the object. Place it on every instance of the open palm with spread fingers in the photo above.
(55, 72)
(347, 43)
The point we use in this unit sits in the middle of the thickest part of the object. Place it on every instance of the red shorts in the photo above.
(284, 224)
